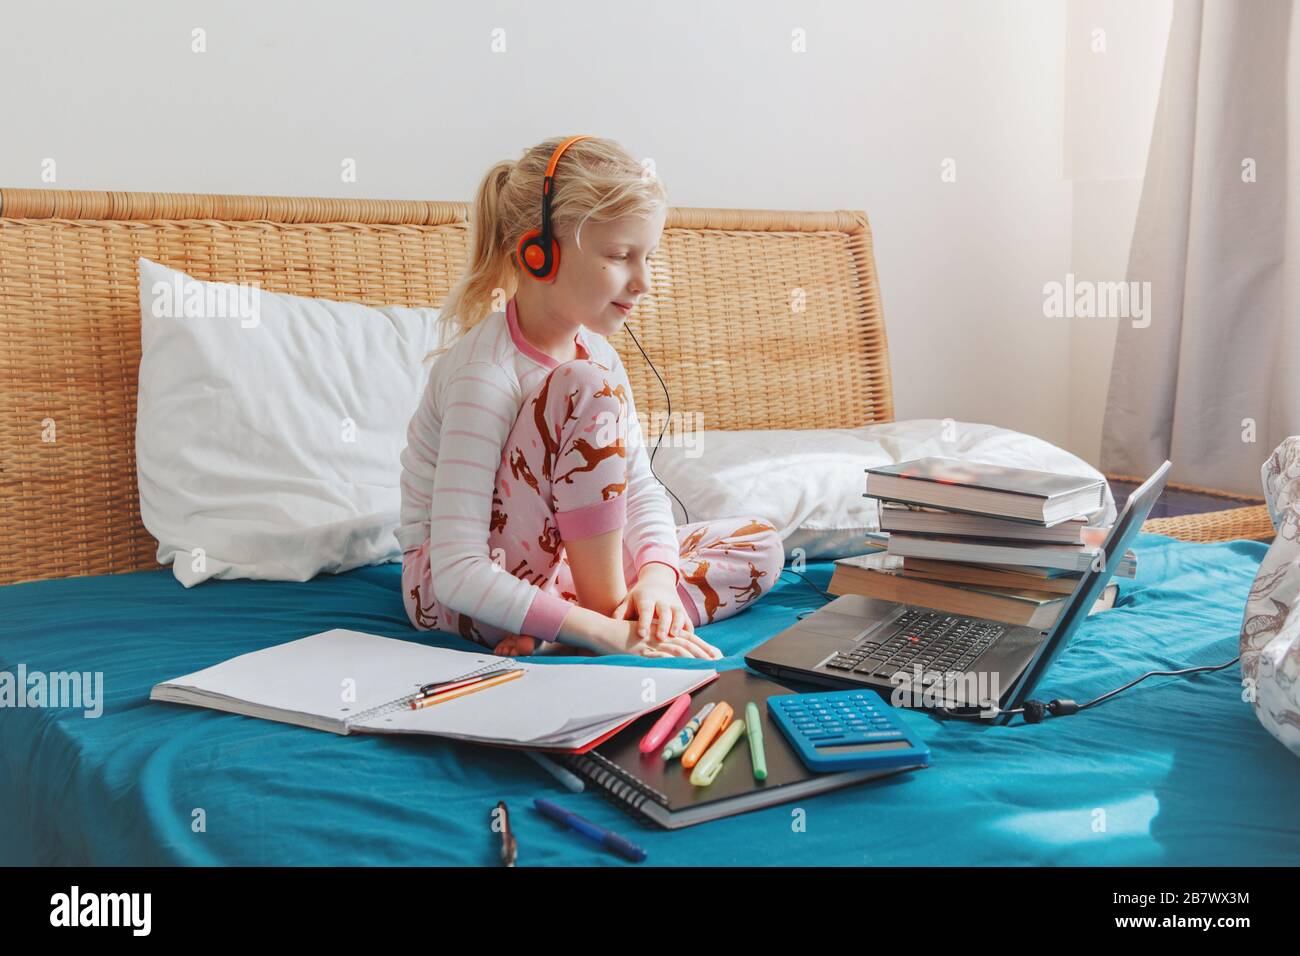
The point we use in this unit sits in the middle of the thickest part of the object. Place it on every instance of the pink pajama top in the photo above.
(455, 444)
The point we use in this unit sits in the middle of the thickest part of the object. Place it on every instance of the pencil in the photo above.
(471, 688)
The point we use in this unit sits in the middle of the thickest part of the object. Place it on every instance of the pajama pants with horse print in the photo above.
(556, 459)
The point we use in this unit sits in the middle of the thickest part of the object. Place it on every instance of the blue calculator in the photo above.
(846, 730)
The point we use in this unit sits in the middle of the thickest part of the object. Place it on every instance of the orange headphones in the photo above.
(539, 253)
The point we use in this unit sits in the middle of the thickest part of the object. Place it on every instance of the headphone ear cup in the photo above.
(532, 255)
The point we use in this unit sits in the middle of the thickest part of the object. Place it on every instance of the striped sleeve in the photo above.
(651, 531)
(478, 408)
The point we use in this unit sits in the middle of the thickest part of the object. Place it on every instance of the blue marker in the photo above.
(594, 832)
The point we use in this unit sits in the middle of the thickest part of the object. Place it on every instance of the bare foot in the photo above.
(514, 645)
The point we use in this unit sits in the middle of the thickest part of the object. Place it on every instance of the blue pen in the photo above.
(597, 834)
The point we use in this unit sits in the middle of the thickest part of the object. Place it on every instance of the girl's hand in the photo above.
(656, 606)
(627, 640)
(603, 634)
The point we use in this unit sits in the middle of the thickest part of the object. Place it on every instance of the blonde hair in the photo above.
(595, 180)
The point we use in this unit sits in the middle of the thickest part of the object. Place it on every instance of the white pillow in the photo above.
(809, 482)
(269, 426)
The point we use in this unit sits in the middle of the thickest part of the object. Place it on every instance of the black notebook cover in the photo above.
(661, 792)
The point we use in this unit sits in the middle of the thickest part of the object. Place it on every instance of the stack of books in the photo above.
(1007, 544)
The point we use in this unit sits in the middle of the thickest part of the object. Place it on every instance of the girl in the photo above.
(529, 512)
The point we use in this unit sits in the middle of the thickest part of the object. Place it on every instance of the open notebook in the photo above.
(347, 681)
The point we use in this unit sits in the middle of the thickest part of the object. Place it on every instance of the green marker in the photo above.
(756, 754)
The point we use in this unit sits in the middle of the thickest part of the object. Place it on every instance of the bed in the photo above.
(1173, 772)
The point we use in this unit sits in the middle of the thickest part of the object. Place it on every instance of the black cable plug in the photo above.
(1063, 708)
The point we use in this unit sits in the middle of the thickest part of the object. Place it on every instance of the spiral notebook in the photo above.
(660, 792)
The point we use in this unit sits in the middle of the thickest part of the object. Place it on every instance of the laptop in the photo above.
(919, 657)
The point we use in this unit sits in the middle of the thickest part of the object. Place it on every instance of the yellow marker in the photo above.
(711, 762)
(713, 725)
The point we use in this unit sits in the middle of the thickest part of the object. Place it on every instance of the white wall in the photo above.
(1048, 142)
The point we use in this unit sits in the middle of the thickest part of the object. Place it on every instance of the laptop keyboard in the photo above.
(938, 642)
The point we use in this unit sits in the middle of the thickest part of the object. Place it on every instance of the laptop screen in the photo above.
(1091, 583)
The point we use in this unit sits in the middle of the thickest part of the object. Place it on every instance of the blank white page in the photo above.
(313, 675)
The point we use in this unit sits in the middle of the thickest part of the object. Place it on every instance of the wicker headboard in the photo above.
(757, 319)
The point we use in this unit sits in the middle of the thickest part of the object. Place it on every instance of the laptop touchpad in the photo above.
(830, 624)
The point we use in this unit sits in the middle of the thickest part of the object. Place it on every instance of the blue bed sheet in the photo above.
(1175, 771)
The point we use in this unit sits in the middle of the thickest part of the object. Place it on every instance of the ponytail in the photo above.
(471, 299)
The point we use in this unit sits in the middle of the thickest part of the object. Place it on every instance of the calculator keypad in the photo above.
(836, 718)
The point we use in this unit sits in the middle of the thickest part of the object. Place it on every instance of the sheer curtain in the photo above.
(1212, 381)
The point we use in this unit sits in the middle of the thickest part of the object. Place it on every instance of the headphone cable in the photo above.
(820, 590)
(658, 441)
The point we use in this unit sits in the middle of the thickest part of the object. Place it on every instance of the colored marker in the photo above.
(711, 762)
(678, 745)
(592, 831)
(571, 781)
(713, 725)
(665, 724)
(757, 756)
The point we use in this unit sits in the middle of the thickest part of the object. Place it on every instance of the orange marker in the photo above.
(717, 721)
